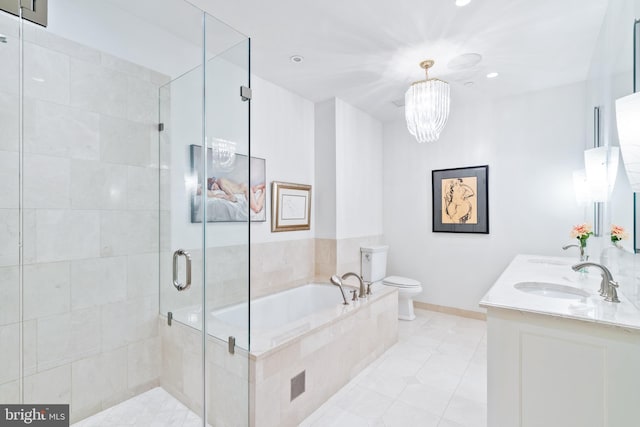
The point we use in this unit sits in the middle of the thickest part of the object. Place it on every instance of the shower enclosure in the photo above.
(102, 116)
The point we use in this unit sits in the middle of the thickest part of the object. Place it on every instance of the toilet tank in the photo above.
(373, 263)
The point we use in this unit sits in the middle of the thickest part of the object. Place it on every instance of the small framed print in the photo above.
(461, 200)
(290, 206)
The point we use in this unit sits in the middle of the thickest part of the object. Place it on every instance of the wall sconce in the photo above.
(628, 122)
(581, 187)
(601, 166)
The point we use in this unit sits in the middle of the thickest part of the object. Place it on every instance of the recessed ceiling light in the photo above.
(461, 3)
(492, 75)
(297, 59)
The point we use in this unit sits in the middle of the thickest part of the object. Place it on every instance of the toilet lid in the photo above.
(400, 282)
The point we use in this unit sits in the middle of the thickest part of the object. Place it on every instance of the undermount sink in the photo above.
(548, 261)
(551, 290)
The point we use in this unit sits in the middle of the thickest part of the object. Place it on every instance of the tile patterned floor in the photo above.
(154, 408)
(435, 376)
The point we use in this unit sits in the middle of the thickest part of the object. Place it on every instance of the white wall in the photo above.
(358, 172)
(532, 143)
(282, 128)
(325, 164)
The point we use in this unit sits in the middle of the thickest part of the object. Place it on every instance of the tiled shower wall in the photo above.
(90, 296)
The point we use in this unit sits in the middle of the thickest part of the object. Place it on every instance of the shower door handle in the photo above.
(180, 286)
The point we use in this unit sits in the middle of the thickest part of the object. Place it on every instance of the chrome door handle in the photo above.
(179, 286)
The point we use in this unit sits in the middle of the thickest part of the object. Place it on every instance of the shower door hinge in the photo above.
(245, 93)
(32, 10)
(160, 127)
(28, 4)
(232, 345)
(169, 318)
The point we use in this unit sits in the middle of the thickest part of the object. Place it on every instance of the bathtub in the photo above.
(305, 330)
(275, 318)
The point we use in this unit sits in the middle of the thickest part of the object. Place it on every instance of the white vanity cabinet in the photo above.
(560, 363)
(547, 371)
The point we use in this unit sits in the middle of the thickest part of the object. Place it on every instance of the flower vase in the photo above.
(584, 256)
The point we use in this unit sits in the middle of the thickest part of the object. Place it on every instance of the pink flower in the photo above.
(618, 233)
(581, 231)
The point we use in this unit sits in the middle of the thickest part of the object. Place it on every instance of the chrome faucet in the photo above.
(363, 290)
(608, 286)
(582, 255)
(338, 282)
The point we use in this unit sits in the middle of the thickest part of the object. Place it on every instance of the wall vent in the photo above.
(297, 385)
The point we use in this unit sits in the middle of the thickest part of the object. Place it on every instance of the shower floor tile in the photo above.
(435, 375)
(154, 408)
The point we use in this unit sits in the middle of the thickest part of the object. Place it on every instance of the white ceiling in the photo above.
(367, 51)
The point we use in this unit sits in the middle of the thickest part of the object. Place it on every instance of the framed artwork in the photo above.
(290, 206)
(461, 200)
(230, 198)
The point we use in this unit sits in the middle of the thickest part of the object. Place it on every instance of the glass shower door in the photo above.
(10, 273)
(204, 228)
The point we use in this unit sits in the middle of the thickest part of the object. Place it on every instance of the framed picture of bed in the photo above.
(460, 199)
(234, 194)
(290, 206)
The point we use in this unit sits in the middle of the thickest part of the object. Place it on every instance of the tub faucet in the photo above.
(338, 282)
(582, 255)
(608, 286)
(363, 290)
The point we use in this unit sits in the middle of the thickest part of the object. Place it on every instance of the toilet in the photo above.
(373, 262)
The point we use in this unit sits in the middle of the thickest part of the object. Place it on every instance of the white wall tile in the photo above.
(67, 235)
(9, 295)
(98, 185)
(58, 130)
(8, 177)
(121, 65)
(142, 318)
(142, 101)
(46, 74)
(126, 142)
(98, 89)
(97, 378)
(9, 110)
(46, 289)
(143, 362)
(10, 392)
(113, 323)
(142, 275)
(10, 354)
(85, 333)
(9, 232)
(54, 341)
(143, 188)
(46, 39)
(30, 346)
(98, 281)
(10, 60)
(128, 232)
(51, 386)
(46, 182)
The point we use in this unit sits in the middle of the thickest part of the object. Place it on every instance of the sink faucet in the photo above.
(582, 255)
(338, 282)
(608, 286)
(363, 290)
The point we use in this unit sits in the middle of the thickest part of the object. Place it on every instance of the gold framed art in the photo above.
(290, 206)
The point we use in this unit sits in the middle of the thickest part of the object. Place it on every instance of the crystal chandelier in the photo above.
(223, 154)
(426, 106)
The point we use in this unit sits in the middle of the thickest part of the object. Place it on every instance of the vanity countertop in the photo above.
(536, 268)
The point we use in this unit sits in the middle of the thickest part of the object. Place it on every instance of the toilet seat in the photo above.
(400, 282)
